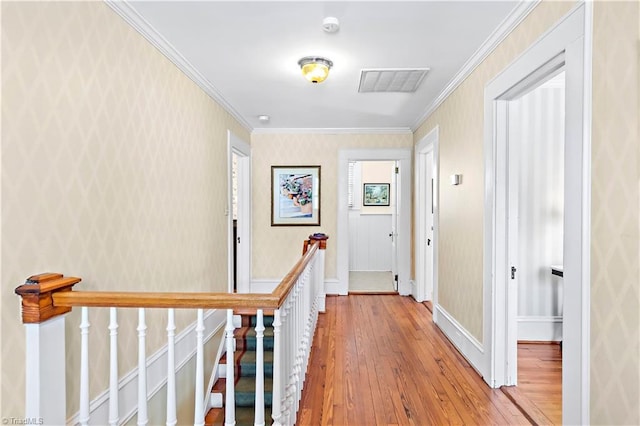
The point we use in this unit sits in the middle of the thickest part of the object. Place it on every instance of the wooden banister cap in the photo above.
(37, 300)
(322, 238)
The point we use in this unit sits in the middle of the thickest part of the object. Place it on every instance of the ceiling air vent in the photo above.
(391, 79)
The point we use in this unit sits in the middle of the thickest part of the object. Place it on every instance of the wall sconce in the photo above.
(455, 179)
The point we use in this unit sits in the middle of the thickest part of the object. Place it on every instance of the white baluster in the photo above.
(171, 368)
(142, 369)
(230, 403)
(199, 404)
(84, 367)
(276, 406)
(259, 405)
(114, 415)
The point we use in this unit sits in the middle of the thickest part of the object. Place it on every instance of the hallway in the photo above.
(361, 372)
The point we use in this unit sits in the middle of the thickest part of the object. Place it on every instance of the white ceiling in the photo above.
(246, 54)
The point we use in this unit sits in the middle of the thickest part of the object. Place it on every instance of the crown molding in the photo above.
(141, 25)
(334, 131)
(505, 28)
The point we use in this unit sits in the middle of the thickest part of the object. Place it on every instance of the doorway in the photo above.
(239, 214)
(535, 143)
(565, 47)
(372, 227)
(402, 236)
(426, 226)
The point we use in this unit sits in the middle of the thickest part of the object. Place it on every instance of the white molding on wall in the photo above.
(334, 287)
(267, 285)
(141, 25)
(467, 345)
(334, 131)
(540, 328)
(185, 349)
(505, 28)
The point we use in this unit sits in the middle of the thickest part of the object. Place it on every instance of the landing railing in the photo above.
(296, 302)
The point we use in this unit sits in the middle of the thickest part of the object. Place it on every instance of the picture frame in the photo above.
(376, 194)
(295, 195)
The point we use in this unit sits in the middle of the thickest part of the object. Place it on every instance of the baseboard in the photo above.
(543, 329)
(185, 349)
(333, 286)
(468, 345)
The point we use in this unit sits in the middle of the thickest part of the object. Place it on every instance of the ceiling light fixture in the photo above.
(315, 69)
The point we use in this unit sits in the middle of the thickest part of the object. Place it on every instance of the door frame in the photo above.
(242, 149)
(429, 143)
(568, 45)
(403, 156)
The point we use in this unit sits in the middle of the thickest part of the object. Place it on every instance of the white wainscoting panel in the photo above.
(369, 241)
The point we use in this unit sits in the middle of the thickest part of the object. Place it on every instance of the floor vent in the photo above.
(406, 80)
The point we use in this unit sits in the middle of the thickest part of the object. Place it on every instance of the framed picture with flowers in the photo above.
(295, 195)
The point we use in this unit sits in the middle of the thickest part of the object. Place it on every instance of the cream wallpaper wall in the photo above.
(460, 118)
(615, 274)
(113, 168)
(273, 253)
(615, 227)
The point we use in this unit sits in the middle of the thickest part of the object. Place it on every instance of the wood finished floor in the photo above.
(361, 371)
(539, 387)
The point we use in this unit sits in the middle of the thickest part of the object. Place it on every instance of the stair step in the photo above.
(246, 392)
(246, 339)
(267, 320)
(247, 364)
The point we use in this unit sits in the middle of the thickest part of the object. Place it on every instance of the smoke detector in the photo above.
(330, 24)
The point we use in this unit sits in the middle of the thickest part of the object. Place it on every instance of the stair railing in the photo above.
(46, 298)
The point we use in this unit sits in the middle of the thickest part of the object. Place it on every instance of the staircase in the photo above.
(245, 373)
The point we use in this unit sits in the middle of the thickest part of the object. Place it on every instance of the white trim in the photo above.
(267, 285)
(185, 349)
(334, 131)
(403, 155)
(430, 142)
(565, 43)
(243, 273)
(141, 25)
(332, 286)
(505, 28)
(540, 328)
(470, 348)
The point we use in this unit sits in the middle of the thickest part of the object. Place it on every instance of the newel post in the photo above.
(45, 347)
(319, 270)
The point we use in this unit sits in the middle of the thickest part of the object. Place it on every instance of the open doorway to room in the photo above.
(535, 122)
(403, 202)
(564, 48)
(372, 227)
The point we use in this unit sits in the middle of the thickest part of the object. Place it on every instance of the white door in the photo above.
(394, 227)
(426, 229)
(428, 225)
(239, 156)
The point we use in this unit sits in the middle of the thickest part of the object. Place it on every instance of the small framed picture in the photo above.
(375, 194)
(295, 195)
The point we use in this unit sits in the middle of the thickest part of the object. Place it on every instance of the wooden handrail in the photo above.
(132, 299)
(56, 291)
